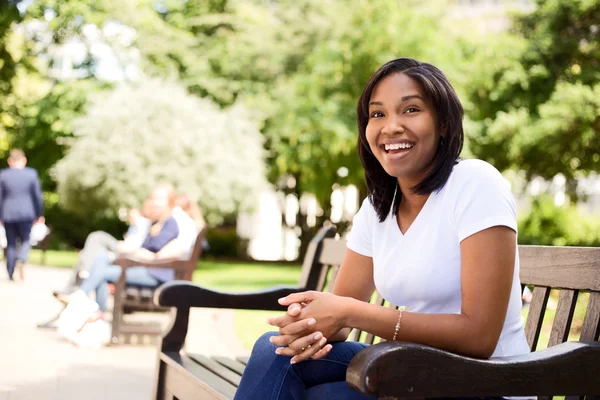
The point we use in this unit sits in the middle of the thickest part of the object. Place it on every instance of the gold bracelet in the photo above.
(397, 328)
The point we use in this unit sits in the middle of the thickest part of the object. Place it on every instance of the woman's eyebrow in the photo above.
(404, 98)
(411, 96)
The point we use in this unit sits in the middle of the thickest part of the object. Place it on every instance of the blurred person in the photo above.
(190, 221)
(160, 243)
(191, 208)
(21, 205)
(100, 242)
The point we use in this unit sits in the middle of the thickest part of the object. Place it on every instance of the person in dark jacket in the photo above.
(21, 205)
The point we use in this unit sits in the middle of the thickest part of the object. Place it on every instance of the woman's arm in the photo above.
(487, 267)
(173, 249)
(354, 281)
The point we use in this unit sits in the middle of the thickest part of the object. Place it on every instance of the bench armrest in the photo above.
(183, 294)
(126, 261)
(398, 369)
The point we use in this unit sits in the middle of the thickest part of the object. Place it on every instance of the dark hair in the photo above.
(449, 114)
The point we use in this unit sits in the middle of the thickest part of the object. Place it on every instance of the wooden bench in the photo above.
(128, 299)
(394, 370)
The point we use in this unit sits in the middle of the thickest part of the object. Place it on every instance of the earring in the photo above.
(442, 140)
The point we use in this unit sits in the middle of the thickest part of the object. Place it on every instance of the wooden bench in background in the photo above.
(394, 370)
(128, 299)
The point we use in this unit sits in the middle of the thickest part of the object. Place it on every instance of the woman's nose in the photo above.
(393, 126)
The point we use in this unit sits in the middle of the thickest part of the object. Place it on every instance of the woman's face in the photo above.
(401, 130)
(158, 204)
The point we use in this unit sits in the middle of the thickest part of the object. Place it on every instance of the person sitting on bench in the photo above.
(161, 242)
(436, 235)
(102, 243)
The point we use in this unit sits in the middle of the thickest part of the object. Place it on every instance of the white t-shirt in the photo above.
(187, 229)
(421, 268)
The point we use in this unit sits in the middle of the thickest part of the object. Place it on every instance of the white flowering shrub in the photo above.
(138, 136)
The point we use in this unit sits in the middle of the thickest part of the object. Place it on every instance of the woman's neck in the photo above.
(411, 202)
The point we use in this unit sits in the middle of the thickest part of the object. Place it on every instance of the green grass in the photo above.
(63, 259)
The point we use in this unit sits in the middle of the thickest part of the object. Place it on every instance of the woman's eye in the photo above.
(376, 114)
(411, 110)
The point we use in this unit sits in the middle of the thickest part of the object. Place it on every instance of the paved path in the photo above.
(36, 364)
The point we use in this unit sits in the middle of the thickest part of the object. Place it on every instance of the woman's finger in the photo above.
(297, 327)
(281, 321)
(302, 297)
(309, 351)
(294, 309)
(284, 340)
(323, 352)
(301, 344)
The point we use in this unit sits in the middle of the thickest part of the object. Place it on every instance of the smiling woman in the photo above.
(436, 235)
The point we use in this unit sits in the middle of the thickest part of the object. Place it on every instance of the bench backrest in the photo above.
(574, 271)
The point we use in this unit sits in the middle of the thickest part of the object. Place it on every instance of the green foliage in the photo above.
(547, 224)
(41, 115)
(137, 136)
(311, 127)
(224, 242)
(536, 107)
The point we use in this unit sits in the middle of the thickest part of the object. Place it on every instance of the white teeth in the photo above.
(396, 146)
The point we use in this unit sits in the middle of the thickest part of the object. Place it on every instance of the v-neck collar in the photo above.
(415, 221)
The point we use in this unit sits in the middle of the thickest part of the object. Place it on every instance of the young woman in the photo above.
(436, 234)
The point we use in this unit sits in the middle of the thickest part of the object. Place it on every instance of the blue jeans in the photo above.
(14, 230)
(103, 272)
(269, 376)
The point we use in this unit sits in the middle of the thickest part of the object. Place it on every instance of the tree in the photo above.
(9, 16)
(136, 136)
(311, 125)
(536, 104)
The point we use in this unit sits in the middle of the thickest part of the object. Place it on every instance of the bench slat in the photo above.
(591, 323)
(333, 251)
(564, 316)
(243, 360)
(535, 318)
(233, 365)
(186, 379)
(217, 369)
(560, 267)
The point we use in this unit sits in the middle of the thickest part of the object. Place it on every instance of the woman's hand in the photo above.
(305, 329)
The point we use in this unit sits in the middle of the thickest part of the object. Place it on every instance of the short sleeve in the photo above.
(361, 235)
(482, 200)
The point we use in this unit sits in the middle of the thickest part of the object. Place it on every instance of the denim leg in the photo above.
(11, 246)
(103, 272)
(100, 272)
(24, 229)
(96, 244)
(137, 276)
(271, 376)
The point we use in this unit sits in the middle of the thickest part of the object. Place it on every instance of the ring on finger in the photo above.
(307, 347)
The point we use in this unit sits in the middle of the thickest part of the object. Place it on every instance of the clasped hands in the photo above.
(311, 319)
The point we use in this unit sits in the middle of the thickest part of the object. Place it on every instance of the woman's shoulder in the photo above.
(475, 171)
